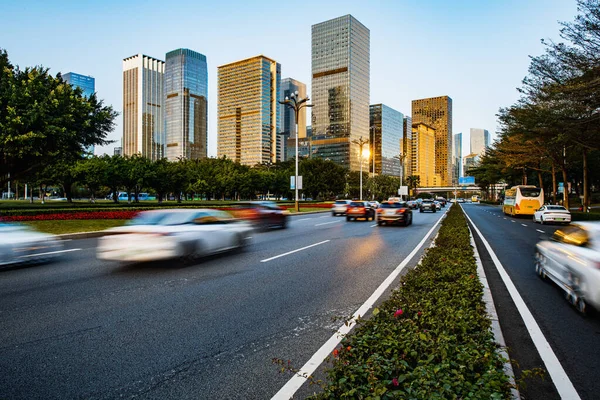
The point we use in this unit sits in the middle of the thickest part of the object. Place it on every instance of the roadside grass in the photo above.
(75, 226)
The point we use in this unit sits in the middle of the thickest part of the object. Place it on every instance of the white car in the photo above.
(21, 244)
(340, 207)
(571, 258)
(166, 234)
(552, 213)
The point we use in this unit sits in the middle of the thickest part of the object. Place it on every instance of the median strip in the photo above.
(294, 251)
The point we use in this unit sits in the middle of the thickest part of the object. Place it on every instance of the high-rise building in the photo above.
(387, 126)
(118, 151)
(456, 158)
(340, 89)
(88, 87)
(248, 110)
(423, 154)
(186, 105)
(437, 113)
(480, 140)
(406, 146)
(143, 105)
(470, 161)
(290, 86)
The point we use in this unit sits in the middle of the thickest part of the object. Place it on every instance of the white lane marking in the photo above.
(67, 240)
(326, 223)
(292, 386)
(294, 251)
(512, 220)
(504, 218)
(325, 216)
(561, 380)
(523, 224)
(304, 219)
(50, 252)
(374, 225)
(539, 230)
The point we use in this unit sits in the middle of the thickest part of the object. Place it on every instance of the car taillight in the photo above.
(400, 211)
(379, 210)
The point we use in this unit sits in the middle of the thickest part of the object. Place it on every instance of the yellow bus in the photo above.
(522, 200)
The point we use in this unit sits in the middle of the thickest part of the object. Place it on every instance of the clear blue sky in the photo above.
(472, 50)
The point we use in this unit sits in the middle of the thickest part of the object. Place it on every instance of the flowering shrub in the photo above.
(72, 215)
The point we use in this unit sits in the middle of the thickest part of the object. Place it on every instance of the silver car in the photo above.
(571, 258)
(20, 244)
(340, 207)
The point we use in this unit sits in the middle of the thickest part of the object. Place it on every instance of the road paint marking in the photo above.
(291, 387)
(50, 252)
(374, 225)
(304, 219)
(561, 380)
(326, 223)
(294, 251)
(504, 218)
(325, 216)
(523, 224)
(67, 240)
(512, 220)
(541, 231)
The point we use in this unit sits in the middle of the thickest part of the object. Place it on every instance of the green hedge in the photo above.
(431, 339)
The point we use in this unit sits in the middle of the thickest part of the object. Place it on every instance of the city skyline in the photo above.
(480, 59)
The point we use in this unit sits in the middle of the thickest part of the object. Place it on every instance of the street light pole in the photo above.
(360, 142)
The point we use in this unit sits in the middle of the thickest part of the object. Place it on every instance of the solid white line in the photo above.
(540, 231)
(304, 219)
(327, 223)
(325, 216)
(294, 251)
(561, 380)
(292, 386)
(50, 252)
(523, 224)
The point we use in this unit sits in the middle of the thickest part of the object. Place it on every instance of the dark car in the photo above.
(442, 201)
(394, 213)
(360, 209)
(427, 205)
(262, 214)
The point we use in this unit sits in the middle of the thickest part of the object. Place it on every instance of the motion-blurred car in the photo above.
(442, 201)
(339, 207)
(20, 244)
(571, 258)
(552, 213)
(427, 205)
(167, 234)
(374, 204)
(390, 212)
(412, 204)
(360, 209)
(438, 205)
(262, 214)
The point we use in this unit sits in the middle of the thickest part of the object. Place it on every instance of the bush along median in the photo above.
(431, 339)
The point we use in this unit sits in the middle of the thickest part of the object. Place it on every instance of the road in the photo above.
(574, 339)
(82, 328)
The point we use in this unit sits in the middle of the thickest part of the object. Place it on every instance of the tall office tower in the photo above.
(437, 113)
(387, 127)
(480, 140)
(406, 146)
(288, 118)
(470, 161)
(340, 89)
(423, 151)
(248, 110)
(456, 157)
(143, 104)
(309, 131)
(118, 151)
(186, 105)
(88, 86)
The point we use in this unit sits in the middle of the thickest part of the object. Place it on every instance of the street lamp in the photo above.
(361, 142)
(296, 103)
(400, 157)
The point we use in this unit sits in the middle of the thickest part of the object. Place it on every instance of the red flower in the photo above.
(419, 313)
(336, 353)
(348, 348)
(398, 313)
(395, 382)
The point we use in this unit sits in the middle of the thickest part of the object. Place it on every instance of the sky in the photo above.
(477, 52)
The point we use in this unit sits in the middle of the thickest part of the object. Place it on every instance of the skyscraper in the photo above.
(456, 157)
(387, 127)
(186, 106)
(437, 113)
(248, 110)
(480, 140)
(423, 151)
(143, 104)
(288, 118)
(87, 85)
(340, 89)
(406, 146)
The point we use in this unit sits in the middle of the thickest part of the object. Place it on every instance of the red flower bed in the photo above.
(75, 215)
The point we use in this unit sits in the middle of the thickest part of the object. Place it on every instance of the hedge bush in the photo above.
(431, 339)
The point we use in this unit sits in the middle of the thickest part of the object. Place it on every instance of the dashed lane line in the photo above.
(295, 251)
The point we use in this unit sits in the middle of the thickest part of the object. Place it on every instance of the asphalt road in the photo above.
(574, 339)
(83, 328)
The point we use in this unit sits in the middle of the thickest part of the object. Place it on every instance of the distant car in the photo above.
(391, 212)
(438, 205)
(374, 204)
(412, 204)
(552, 213)
(167, 234)
(442, 201)
(262, 214)
(360, 209)
(20, 244)
(571, 258)
(394, 199)
(427, 205)
(460, 200)
(339, 207)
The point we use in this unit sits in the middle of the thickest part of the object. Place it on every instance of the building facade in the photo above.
(423, 150)
(186, 105)
(406, 146)
(248, 110)
(386, 132)
(480, 140)
(290, 86)
(456, 158)
(340, 89)
(471, 161)
(437, 113)
(143, 107)
(88, 86)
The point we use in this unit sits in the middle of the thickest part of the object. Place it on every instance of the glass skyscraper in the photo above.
(406, 146)
(340, 89)
(387, 126)
(87, 85)
(288, 118)
(248, 110)
(456, 157)
(186, 105)
(143, 104)
(480, 140)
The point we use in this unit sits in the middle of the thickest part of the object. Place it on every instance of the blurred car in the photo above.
(339, 207)
(21, 244)
(460, 200)
(427, 205)
(571, 258)
(262, 214)
(391, 212)
(360, 209)
(412, 204)
(552, 213)
(394, 199)
(374, 204)
(166, 234)
(438, 205)
(442, 201)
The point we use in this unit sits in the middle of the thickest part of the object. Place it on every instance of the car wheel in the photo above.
(410, 215)
(542, 220)
(581, 305)
(348, 218)
(421, 211)
(283, 224)
(540, 261)
(333, 214)
(379, 223)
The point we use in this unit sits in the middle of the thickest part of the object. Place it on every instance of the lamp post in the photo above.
(296, 103)
(400, 157)
(360, 142)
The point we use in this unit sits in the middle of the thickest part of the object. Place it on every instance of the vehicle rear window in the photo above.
(560, 208)
(393, 205)
(530, 192)
(341, 202)
(357, 204)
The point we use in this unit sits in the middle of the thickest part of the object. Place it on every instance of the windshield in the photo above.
(357, 204)
(341, 202)
(147, 218)
(530, 192)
